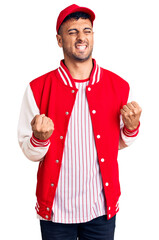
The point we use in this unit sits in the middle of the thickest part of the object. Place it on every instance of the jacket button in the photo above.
(61, 137)
(52, 184)
(109, 208)
(109, 215)
(66, 113)
(89, 89)
(47, 216)
(48, 209)
(94, 111)
(57, 161)
(73, 91)
(98, 136)
(102, 159)
(106, 184)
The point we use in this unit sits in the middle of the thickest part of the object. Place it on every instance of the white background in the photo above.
(127, 43)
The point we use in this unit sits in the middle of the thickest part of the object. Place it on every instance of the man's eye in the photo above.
(71, 33)
(87, 32)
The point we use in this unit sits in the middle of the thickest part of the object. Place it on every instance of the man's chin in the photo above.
(82, 58)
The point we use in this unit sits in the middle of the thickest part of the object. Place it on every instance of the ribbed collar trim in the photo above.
(69, 81)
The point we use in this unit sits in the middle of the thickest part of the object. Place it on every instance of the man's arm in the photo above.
(34, 130)
(129, 124)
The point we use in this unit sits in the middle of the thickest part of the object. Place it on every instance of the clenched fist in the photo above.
(131, 115)
(42, 127)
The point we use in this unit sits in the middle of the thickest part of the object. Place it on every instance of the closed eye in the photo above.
(72, 31)
(87, 32)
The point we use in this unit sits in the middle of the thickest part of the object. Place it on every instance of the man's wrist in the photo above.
(39, 143)
(131, 133)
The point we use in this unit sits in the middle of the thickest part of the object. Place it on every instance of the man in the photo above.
(79, 119)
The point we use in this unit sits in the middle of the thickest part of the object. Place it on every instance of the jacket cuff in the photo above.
(39, 143)
(131, 133)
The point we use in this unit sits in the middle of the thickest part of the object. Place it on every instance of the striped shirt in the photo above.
(79, 195)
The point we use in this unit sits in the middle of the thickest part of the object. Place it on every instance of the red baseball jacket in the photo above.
(55, 94)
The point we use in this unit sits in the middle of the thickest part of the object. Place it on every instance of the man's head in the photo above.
(75, 32)
(73, 9)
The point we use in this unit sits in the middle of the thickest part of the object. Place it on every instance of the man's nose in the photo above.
(81, 36)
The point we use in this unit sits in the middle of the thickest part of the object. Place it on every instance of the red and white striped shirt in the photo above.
(79, 195)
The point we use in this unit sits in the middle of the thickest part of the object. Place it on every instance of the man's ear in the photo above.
(59, 40)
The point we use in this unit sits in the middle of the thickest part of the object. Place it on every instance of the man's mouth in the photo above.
(81, 47)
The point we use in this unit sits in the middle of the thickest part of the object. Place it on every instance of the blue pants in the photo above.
(97, 229)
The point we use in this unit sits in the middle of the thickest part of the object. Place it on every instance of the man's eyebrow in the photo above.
(72, 29)
(88, 28)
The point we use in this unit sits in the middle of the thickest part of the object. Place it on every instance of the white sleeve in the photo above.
(127, 137)
(33, 148)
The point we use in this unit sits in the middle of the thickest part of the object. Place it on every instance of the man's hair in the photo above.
(75, 16)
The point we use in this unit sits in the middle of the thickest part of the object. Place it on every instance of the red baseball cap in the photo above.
(72, 9)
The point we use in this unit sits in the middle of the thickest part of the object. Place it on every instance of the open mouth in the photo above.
(81, 47)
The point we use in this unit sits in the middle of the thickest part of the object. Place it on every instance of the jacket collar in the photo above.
(67, 79)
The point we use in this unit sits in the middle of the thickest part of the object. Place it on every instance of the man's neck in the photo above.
(79, 70)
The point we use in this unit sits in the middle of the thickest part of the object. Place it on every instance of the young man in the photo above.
(79, 119)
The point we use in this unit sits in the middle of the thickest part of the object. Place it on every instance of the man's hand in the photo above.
(131, 115)
(42, 127)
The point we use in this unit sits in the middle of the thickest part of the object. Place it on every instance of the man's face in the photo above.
(76, 39)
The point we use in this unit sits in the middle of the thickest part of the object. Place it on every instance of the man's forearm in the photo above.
(33, 148)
